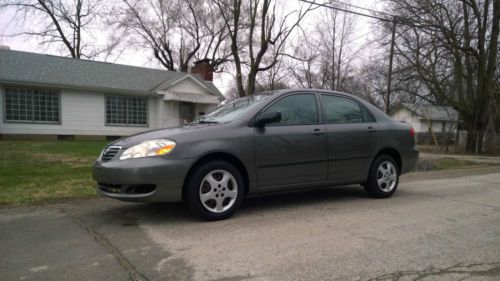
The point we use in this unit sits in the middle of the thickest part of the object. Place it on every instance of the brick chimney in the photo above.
(203, 68)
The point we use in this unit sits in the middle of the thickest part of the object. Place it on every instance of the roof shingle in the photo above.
(32, 68)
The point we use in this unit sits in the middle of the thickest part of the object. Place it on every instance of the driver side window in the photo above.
(300, 109)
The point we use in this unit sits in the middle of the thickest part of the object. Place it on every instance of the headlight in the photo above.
(149, 148)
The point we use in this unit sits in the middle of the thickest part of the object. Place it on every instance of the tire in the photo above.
(383, 179)
(215, 190)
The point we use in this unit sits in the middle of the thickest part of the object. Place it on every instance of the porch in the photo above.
(178, 108)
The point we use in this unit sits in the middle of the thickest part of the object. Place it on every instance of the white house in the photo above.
(58, 96)
(442, 119)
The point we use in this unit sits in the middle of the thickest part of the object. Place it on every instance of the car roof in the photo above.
(378, 114)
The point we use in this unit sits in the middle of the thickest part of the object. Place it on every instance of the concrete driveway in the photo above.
(438, 226)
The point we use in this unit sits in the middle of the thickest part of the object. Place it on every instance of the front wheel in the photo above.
(215, 190)
(383, 178)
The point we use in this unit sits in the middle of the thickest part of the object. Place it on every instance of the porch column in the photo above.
(159, 113)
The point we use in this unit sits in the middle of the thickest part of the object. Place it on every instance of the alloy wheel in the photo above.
(386, 176)
(218, 191)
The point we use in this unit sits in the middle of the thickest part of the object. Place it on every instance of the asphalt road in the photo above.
(438, 226)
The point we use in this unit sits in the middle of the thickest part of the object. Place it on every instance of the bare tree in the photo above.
(324, 56)
(335, 29)
(273, 79)
(177, 31)
(303, 67)
(372, 84)
(452, 48)
(69, 24)
(254, 26)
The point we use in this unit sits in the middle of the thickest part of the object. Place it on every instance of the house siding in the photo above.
(82, 113)
(422, 125)
(407, 116)
(206, 108)
(170, 116)
(437, 126)
(171, 113)
(403, 114)
(187, 86)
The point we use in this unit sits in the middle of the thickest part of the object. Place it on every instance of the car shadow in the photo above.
(303, 198)
(178, 213)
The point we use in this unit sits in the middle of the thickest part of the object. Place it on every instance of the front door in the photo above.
(294, 150)
(187, 112)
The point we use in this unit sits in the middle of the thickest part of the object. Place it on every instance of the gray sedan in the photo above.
(269, 142)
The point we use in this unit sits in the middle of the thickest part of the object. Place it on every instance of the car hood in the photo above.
(169, 133)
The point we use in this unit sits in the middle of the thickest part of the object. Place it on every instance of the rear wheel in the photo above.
(215, 190)
(383, 178)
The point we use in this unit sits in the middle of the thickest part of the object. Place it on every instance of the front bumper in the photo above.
(148, 179)
(409, 161)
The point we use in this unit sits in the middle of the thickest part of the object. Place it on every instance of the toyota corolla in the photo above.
(269, 142)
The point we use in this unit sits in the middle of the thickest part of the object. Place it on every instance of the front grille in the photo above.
(109, 152)
(127, 189)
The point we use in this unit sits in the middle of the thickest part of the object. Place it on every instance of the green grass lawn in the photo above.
(426, 164)
(39, 171)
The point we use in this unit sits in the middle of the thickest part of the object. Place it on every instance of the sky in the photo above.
(140, 57)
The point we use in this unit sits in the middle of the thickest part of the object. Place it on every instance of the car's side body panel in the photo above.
(274, 158)
(350, 148)
(290, 155)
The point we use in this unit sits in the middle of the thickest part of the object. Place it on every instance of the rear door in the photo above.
(352, 137)
(292, 151)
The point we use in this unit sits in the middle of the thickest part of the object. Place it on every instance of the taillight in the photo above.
(412, 132)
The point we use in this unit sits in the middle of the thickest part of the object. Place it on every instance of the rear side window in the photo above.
(343, 110)
(300, 109)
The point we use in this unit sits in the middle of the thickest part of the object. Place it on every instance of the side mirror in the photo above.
(267, 117)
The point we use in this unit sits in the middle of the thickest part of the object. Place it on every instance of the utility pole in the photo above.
(389, 75)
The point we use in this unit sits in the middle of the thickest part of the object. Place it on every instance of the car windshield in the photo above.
(234, 109)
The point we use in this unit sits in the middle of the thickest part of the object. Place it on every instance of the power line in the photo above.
(394, 18)
(363, 8)
(346, 10)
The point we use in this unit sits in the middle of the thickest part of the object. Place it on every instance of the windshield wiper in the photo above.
(206, 122)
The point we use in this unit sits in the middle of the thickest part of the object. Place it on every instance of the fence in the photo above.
(490, 142)
(431, 139)
(457, 142)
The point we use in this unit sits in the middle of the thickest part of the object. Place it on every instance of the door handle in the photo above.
(317, 132)
(370, 129)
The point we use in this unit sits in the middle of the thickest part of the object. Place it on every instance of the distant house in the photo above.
(57, 96)
(442, 119)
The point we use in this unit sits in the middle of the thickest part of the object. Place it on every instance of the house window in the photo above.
(32, 105)
(126, 111)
